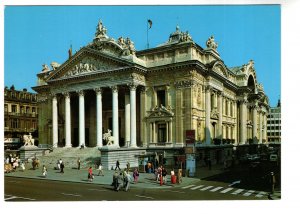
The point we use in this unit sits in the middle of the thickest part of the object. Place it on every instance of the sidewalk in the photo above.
(146, 180)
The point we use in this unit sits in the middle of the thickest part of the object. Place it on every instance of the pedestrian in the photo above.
(62, 166)
(90, 174)
(128, 167)
(120, 181)
(117, 165)
(158, 173)
(115, 180)
(272, 182)
(149, 166)
(179, 176)
(23, 166)
(44, 171)
(209, 163)
(164, 175)
(58, 164)
(100, 170)
(78, 163)
(127, 180)
(135, 175)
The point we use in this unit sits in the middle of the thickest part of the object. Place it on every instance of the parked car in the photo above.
(273, 157)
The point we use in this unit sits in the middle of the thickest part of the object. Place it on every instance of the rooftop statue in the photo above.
(210, 43)
(54, 65)
(100, 31)
(45, 68)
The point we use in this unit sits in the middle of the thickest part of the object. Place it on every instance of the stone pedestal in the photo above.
(30, 151)
(110, 155)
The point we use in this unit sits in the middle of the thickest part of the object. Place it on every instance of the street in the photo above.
(22, 189)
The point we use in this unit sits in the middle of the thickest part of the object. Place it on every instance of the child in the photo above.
(44, 171)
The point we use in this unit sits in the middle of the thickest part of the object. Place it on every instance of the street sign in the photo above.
(190, 136)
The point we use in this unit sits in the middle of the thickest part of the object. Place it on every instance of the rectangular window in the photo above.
(161, 98)
(14, 108)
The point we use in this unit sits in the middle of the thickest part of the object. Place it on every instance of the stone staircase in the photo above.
(88, 157)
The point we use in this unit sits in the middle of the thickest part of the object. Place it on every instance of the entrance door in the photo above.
(162, 133)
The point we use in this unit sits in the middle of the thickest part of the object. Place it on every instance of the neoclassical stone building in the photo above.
(150, 98)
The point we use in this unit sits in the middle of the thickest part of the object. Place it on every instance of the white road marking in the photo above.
(216, 189)
(71, 194)
(249, 193)
(227, 190)
(197, 187)
(141, 196)
(187, 186)
(173, 191)
(99, 190)
(206, 188)
(7, 199)
(13, 197)
(237, 191)
(260, 194)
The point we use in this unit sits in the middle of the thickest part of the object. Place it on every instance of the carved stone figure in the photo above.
(28, 140)
(54, 65)
(100, 31)
(108, 138)
(121, 42)
(210, 43)
(45, 68)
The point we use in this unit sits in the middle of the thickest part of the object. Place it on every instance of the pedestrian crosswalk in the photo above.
(224, 190)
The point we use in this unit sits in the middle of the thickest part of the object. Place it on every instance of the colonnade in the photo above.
(243, 105)
(130, 124)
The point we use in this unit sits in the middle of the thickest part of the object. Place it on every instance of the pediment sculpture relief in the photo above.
(161, 111)
(89, 65)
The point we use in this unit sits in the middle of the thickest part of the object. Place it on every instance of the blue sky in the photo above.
(35, 35)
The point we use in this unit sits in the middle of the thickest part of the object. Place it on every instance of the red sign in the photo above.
(190, 136)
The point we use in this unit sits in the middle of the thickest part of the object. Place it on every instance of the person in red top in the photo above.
(90, 175)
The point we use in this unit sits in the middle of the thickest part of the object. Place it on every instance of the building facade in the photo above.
(20, 116)
(274, 124)
(150, 98)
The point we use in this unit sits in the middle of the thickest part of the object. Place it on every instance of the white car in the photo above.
(273, 157)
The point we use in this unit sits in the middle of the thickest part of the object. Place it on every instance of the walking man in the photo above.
(78, 164)
(117, 165)
(272, 181)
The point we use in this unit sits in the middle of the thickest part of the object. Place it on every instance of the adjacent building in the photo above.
(151, 98)
(20, 116)
(274, 124)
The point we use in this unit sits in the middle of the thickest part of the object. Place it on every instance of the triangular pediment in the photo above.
(160, 112)
(86, 62)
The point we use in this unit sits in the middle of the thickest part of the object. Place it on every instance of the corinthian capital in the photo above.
(114, 88)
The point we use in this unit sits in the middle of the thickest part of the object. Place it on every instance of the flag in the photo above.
(150, 23)
(70, 52)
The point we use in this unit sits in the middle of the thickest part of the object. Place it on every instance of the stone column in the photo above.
(220, 121)
(115, 109)
(207, 115)
(99, 117)
(81, 118)
(151, 132)
(67, 120)
(127, 119)
(260, 127)
(254, 127)
(54, 122)
(243, 118)
(167, 131)
(143, 124)
(170, 131)
(133, 116)
(265, 127)
(154, 133)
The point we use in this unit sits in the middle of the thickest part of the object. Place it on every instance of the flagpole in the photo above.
(147, 36)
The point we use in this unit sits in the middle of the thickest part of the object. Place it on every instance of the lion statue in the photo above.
(28, 140)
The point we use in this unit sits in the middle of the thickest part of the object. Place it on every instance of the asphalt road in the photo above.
(32, 190)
